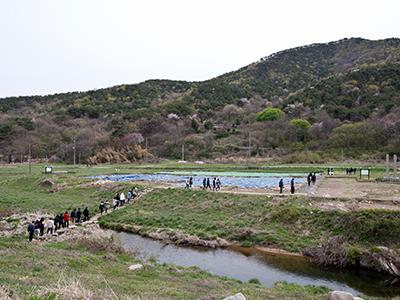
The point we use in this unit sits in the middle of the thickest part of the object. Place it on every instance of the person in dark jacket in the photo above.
(280, 184)
(204, 183)
(41, 226)
(101, 207)
(309, 177)
(292, 186)
(85, 214)
(72, 216)
(31, 230)
(208, 184)
(56, 223)
(313, 178)
(78, 215)
(60, 220)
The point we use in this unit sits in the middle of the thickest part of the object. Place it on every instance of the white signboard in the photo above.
(364, 172)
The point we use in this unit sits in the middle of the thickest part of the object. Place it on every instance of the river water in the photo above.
(238, 179)
(247, 263)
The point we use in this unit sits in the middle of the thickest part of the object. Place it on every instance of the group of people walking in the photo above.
(351, 171)
(53, 224)
(189, 183)
(208, 184)
(281, 185)
(119, 200)
(311, 178)
(216, 184)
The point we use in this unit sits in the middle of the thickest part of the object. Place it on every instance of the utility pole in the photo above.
(29, 159)
(146, 145)
(74, 147)
(183, 152)
(249, 154)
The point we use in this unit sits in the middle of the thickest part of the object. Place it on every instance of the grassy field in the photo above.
(168, 165)
(288, 223)
(57, 269)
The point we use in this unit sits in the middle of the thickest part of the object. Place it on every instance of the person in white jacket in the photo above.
(50, 226)
(122, 198)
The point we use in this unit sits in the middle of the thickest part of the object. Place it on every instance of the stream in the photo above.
(247, 263)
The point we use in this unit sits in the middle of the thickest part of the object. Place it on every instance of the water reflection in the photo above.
(246, 263)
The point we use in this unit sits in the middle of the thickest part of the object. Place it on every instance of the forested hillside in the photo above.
(303, 104)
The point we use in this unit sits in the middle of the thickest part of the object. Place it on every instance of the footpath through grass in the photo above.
(292, 223)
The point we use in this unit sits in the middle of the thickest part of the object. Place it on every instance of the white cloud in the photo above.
(52, 45)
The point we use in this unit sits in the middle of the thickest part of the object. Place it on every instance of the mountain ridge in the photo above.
(215, 113)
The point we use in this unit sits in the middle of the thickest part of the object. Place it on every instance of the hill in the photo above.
(325, 91)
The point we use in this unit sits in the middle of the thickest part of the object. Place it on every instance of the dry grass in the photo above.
(73, 289)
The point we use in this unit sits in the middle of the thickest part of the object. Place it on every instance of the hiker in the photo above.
(218, 184)
(208, 186)
(115, 203)
(37, 226)
(187, 183)
(292, 186)
(78, 215)
(129, 196)
(31, 230)
(106, 206)
(41, 226)
(314, 178)
(101, 207)
(72, 216)
(66, 219)
(280, 184)
(117, 197)
(122, 198)
(214, 183)
(50, 226)
(204, 183)
(61, 220)
(190, 182)
(309, 178)
(56, 223)
(85, 214)
(135, 192)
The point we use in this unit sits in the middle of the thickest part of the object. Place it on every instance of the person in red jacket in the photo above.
(66, 219)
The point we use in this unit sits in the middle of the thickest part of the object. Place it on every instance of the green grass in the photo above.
(24, 193)
(252, 220)
(291, 223)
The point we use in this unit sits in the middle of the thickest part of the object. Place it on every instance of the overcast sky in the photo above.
(50, 46)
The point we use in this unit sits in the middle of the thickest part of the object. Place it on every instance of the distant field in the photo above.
(22, 191)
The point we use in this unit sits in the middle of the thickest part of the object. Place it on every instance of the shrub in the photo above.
(270, 114)
(254, 280)
(301, 123)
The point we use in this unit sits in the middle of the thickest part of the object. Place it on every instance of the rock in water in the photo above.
(339, 295)
(135, 267)
(238, 296)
